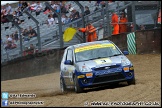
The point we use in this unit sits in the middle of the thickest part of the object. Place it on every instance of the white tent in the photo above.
(10, 2)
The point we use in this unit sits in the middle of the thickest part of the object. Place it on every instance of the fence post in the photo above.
(82, 9)
(133, 15)
(108, 19)
(19, 28)
(60, 24)
(38, 29)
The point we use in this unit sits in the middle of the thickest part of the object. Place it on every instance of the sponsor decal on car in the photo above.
(95, 46)
(103, 61)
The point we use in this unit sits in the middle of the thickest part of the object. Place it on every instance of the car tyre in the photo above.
(132, 82)
(62, 85)
(77, 88)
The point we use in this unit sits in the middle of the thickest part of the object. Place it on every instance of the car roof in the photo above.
(89, 43)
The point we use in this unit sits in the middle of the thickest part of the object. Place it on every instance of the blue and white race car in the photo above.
(91, 64)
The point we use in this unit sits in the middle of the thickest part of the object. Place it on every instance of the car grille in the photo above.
(109, 77)
(104, 68)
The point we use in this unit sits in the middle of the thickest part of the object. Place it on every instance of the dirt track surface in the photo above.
(46, 87)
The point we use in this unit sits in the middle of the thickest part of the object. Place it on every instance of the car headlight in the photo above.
(125, 62)
(85, 69)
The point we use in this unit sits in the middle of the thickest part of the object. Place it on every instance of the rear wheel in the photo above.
(77, 88)
(131, 82)
(62, 85)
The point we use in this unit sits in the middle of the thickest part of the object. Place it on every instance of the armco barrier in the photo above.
(147, 41)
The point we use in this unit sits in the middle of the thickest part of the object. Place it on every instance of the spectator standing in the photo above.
(115, 24)
(87, 11)
(20, 4)
(16, 18)
(68, 7)
(25, 34)
(28, 7)
(16, 37)
(123, 26)
(3, 14)
(63, 18)
(58, 6)
(90, 30)
(54, 14)
(32, 6)
(53, 4)
(38, 8)
(76, 17)
(74, 13)
(19, 12)
(8, 42)
(3, 10)
(67, 20)
(32, 32)
(14, 14)
(63, 9)
(12, 36)
(50, 20)
(8, 9)
(71, 18)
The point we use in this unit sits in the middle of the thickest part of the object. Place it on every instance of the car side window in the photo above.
(69, 55)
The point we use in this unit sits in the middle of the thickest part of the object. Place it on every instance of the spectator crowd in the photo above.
(60, 7)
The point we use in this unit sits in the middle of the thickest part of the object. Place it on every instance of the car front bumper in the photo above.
(97, 79)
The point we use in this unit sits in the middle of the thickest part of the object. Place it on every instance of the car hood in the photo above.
(102, 62)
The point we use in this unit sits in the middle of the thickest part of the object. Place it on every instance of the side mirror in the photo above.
(125, 52)
(68, 62)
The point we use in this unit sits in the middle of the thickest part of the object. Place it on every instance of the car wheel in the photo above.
(77, 88)
(130, 82)
(62, 85)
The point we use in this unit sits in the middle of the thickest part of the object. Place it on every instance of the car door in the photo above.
(68, 69)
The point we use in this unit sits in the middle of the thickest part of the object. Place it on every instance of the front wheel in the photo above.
(77, 88)
(62, 85)
(131, 82)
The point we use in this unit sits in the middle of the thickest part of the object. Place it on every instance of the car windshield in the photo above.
(93, 52)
